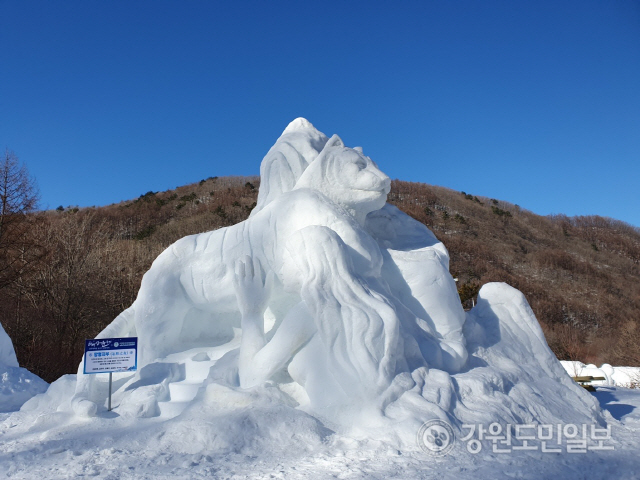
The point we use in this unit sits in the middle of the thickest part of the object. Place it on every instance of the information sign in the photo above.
(107, 355)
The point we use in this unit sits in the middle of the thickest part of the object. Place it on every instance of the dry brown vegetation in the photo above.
(581, 274)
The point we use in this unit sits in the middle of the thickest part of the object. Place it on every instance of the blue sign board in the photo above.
(108, 355)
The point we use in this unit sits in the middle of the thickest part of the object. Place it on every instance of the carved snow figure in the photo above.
(328, 282)
(360, 310)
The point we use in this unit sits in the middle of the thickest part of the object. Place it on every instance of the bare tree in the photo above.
(18, 197)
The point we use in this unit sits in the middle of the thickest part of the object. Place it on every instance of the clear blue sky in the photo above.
(533, 102)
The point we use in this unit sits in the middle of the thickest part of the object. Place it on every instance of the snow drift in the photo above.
(17, 385)
(327, 309)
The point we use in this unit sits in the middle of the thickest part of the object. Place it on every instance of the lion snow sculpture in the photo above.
(364, 316)
(308, 235)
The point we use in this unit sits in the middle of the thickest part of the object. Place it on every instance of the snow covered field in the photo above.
(251, 444)
(246, 436)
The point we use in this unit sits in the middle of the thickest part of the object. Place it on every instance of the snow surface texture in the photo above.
(252, 435)
(339, 302)
(17, 385)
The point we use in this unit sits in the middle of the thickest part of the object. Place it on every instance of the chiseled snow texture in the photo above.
(522, 381)
(17, 385)
(614, 376)
(311, 341)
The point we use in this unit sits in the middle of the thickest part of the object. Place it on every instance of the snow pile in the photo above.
(614, 376)
(17, 385)
(327, 310)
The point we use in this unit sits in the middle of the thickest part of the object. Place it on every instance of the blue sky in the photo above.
(532, 102)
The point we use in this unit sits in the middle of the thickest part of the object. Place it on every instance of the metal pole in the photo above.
(110, 377)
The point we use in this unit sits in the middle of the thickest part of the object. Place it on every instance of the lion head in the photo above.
(347, 177)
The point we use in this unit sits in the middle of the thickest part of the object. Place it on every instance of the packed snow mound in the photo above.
(331, 309)
(613, 376)
(510, 352)
(17, 385)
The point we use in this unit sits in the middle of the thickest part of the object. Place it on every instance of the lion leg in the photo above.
(357, 325)
(294, 332)
(309, 368)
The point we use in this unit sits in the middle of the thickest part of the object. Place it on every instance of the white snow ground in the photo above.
(225, 433)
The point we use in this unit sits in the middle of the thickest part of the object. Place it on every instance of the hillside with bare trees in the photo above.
(581, 275)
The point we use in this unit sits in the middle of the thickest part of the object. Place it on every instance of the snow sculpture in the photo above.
(343, 295)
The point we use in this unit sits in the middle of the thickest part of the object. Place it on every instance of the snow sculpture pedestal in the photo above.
(331, 302)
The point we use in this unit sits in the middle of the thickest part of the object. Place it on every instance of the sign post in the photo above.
(108, 355)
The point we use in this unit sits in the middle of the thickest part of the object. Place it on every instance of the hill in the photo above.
(580, 274)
